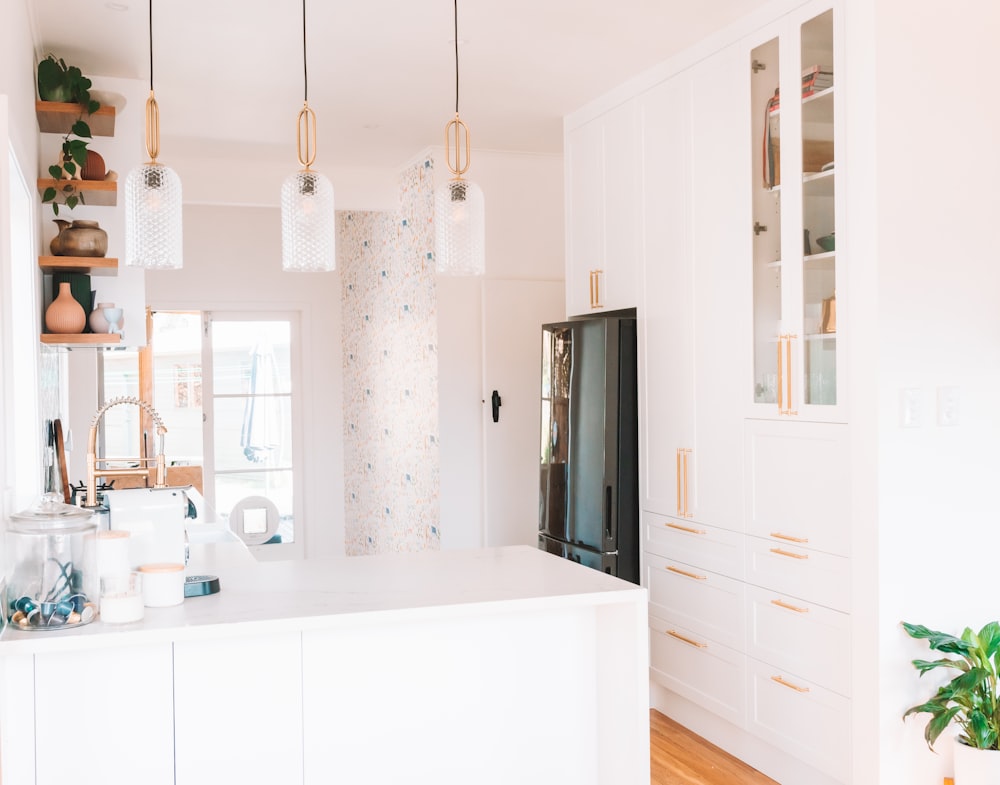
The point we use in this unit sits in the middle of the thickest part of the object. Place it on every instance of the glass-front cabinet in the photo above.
(794, 122)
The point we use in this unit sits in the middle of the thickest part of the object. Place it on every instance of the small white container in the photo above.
(121, 598)
(163, 584)
(112, 552)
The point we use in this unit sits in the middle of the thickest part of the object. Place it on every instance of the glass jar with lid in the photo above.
(51, 566)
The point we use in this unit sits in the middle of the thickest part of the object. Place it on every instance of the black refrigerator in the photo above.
(589, 481)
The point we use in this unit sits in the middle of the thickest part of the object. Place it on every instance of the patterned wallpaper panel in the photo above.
(391, 462)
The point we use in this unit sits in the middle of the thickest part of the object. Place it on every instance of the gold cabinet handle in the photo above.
(686, 574)
(688, 641)
(789, 537)
(788, 372)
(781, 384)
(789, 554)
(680, 502)
(788, 684)
(687, 529)
(687, 494)
(788, 606)
(595, 289)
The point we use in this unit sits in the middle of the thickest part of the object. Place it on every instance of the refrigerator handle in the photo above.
(609, 518)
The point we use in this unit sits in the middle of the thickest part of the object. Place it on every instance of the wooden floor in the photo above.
(679, 757)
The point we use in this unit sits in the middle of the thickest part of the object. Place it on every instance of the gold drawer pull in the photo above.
(783, 604)
(789, 537)
(688, 641)
(688, 574)
(687, 529)
(789, 554)
(788, 684)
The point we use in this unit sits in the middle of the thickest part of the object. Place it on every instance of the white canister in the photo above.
(112, 552)
(162, 584)
(121, 598)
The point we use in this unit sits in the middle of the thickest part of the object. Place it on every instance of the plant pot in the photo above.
(976, 767)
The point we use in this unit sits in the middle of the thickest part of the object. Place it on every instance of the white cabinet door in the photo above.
(719, 244)
(106, 712)
(798, 484)
(602, 203)
(238, 710)
(584, 213)
(694, 292)
(621, 208)
(666, 319)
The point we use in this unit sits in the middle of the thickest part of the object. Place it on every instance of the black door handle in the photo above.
(496, 406)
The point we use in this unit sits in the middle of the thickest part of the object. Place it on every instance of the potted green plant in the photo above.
(60, 82)
(970, 701)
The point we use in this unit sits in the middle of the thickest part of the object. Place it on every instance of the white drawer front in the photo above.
(799, 717)
(801, 572)
(807, 640)
(699, 600)
(798, 483)
(711, 675)
(708, 547)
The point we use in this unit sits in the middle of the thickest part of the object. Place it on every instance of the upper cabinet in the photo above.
(602, 202)
(794, 121)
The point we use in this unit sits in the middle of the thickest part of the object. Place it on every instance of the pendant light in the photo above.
(153, 227)
(459, 209)
(308, 220)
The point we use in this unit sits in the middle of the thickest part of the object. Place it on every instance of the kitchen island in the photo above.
(504, 665)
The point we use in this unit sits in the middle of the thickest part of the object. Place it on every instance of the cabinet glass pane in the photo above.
(765, 123)
(819, 177)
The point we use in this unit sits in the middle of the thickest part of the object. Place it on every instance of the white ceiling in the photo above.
(381, 72)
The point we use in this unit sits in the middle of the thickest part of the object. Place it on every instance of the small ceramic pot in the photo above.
(98, 323)
(94, 168)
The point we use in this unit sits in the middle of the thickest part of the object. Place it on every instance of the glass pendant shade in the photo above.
(153, 226)
(308, 223)
(460, 229)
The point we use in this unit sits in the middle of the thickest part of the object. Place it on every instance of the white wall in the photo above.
(524, 240)
(936, 324)
(18, 135)
(232, 261)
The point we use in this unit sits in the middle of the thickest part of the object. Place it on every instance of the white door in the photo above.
(513, 313)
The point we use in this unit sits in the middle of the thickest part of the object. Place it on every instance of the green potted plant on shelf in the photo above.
(970, 701)
(67, 84)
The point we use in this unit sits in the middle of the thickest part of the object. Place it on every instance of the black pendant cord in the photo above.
(456, 58)
(150, 45)
(305, 66)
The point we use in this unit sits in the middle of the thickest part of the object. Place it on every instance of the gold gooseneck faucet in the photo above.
(154, 468)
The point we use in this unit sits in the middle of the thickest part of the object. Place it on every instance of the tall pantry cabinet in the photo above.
(744, 453)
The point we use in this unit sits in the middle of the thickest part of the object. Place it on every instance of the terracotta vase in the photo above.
(98, 323)
(65, 316)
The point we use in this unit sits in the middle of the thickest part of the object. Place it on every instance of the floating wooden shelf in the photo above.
(89, 265)
(81, 339)
(58, 118)
(103, 193)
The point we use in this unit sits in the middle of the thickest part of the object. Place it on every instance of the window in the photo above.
(223, 384)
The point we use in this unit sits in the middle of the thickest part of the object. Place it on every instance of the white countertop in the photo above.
(324, 594)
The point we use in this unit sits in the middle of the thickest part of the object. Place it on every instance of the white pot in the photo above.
(976, 767)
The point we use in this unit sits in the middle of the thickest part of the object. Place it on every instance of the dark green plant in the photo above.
(59, 82)
(969, 700)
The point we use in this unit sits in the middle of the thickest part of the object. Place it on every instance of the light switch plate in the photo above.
(910, 413)
(947, 406)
